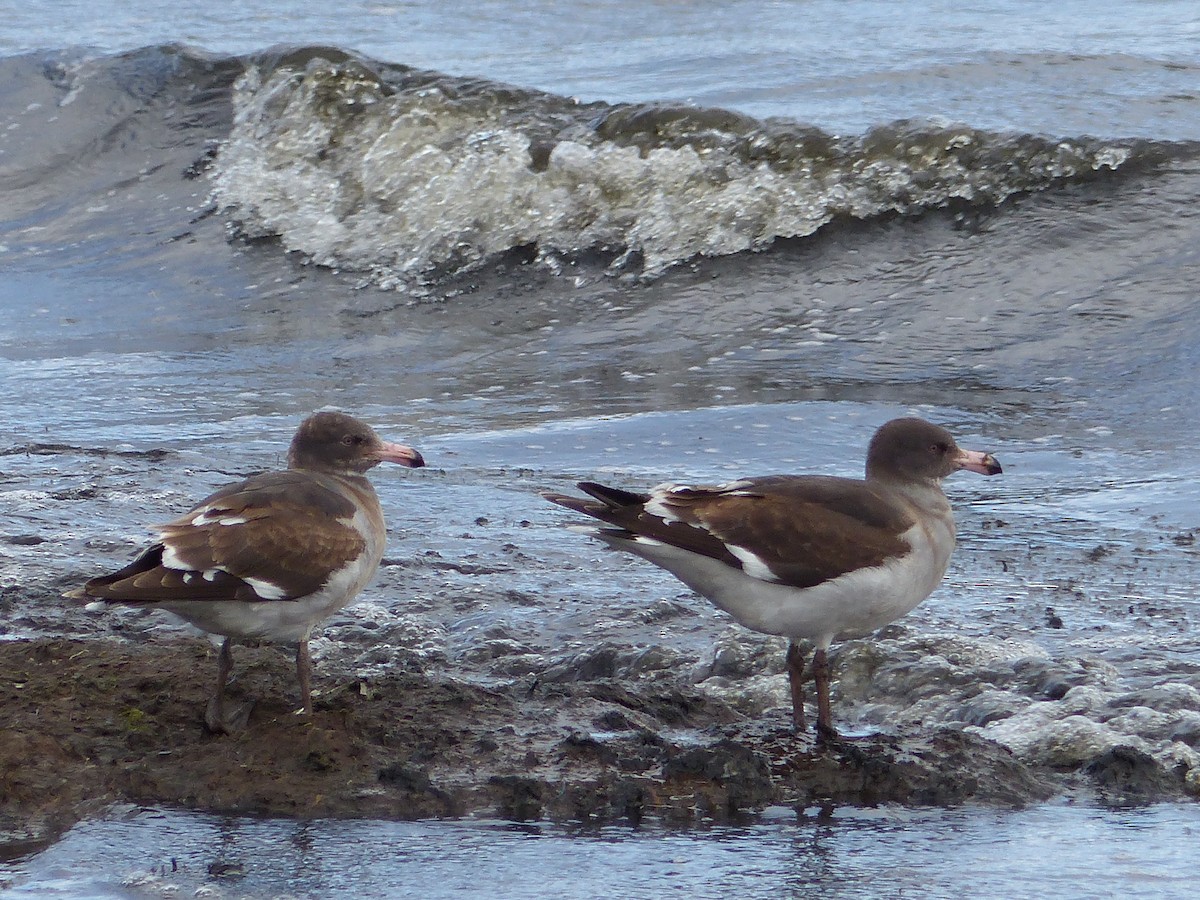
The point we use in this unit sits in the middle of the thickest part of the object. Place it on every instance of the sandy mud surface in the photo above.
(93, 721)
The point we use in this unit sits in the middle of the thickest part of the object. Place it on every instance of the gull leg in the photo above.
(821, 675)
(215, 717)
(304, 676)
(795, 670)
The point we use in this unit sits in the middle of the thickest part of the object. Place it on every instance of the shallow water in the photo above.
(150, 351)
(853, 853)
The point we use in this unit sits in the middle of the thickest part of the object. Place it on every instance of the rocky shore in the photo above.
(95, 721)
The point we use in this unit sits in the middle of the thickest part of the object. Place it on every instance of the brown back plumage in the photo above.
(299, 528)
(804, 529)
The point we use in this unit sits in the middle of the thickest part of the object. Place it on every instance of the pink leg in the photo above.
(822, 677)
(795, 670)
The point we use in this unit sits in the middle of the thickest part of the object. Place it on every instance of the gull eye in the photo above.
(353, 440)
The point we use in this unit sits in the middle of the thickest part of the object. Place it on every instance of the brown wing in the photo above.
(272, 537)
(803, 529)
(626, 511)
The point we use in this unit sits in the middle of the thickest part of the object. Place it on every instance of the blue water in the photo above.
(1110, 68)
(1058, 850)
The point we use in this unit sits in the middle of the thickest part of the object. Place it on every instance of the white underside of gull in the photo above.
(275, 620)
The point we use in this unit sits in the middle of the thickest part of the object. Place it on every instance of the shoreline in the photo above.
(96, 722)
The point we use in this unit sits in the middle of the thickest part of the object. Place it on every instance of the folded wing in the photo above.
(794, 530)
(273, 537)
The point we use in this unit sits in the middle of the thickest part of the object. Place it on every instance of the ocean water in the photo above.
(543, 242)
(853, 854)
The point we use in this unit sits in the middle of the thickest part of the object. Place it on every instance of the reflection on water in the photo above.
(1059, 850)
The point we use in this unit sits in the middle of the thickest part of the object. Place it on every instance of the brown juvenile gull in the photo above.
(269, 557)
(809, 557)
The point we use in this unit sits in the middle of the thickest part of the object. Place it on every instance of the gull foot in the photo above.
(221, 720)
(827, 735)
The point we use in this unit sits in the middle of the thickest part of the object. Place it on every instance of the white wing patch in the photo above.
(171, 560)
(659, 504)
(660, 498)
(217, 516)
(669, 487)
(737, 487)
(266, 589)
(584, 529)
(752, 564)
(649, 541)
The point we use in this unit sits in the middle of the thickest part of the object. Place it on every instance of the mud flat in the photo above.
(91, 722)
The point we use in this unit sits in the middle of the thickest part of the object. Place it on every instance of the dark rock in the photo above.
(1188, 732)
(1128, 775)
(612, 720)
(24, 540)
(405, 777)
(941, 768)
(518, 797)
(718, 781)
(597, 662)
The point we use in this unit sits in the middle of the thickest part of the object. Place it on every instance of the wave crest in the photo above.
(406, 174)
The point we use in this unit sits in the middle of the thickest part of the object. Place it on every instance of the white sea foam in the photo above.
(356, 173)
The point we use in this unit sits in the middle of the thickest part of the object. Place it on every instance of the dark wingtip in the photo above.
(614, 498)
(575, 504)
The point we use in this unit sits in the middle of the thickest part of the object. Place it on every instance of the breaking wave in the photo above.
(404, 174)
